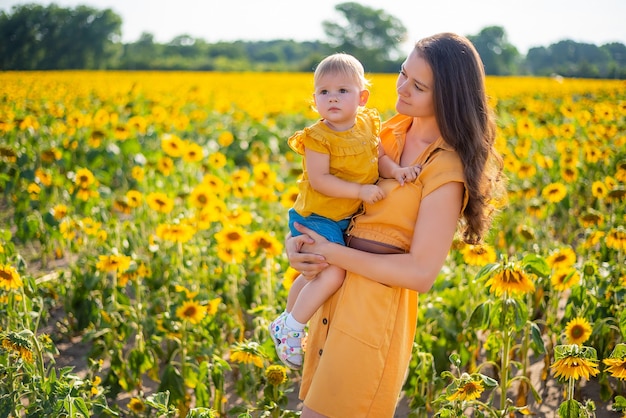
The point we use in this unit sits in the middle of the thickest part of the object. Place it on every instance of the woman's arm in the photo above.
(418, 269)
(308, 264)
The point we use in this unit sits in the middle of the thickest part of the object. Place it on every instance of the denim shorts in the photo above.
(331, 230)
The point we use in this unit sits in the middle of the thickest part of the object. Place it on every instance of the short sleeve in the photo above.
(444, 167)
(309, 138)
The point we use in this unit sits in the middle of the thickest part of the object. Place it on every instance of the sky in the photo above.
(527, 23)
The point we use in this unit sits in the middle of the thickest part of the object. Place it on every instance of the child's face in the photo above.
(338, 98)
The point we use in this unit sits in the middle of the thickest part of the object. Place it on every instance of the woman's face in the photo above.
(415, 87)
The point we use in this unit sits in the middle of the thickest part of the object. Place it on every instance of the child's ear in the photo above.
(365, 95)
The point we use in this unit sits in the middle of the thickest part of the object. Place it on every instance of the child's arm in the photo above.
(318, 166)
(389, 169)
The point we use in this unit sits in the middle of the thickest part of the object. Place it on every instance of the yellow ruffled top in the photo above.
(353, 157)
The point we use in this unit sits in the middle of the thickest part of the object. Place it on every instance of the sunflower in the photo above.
(165, 165)
(67, 228)
(160, 202)
(288, 197)
(511, 164)
(554, 192)
(620, 174)
(290, 276)
(525, 126)
(231, 236)
(276, 374)
(510, 279)
(212, 307)
(137, 123)
(526, 170)
(95, 385)
(43, 177)
(84, 178)
(617, 367)
(137, 173)
(51, 155)
(264, 175)
(34, 190)
(201, 195)
(217, 160)
(593, 154)
(225, 139)
(9, 277)
(574, 362)
(567, 130)
(593, 239)
(192, 152)
(205, 217)
(59, 211)
(561, 258)
(191, 311)
(19, 344)
(113, 262)
(85, 194)
(468, 389)
(591, 218)
(564, 278)
(478, 255)
(172, 145)
(598, 189)
(617, 362)
(247, 353)
(136, 405)
(569, 174)
(90, 226)
(188, 293)
(577, 331)
(134, 198)
(536, 209)
(240, 176)
(590, 269)
(182, 232)
(262, 241)
(526, 232)
(231, 255)
(616, 238)
(216, 184)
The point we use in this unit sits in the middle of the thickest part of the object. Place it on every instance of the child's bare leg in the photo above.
(294, 291)
(287, 330)
(316, 292)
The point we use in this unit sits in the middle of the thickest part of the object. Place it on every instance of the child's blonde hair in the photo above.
(342, 64)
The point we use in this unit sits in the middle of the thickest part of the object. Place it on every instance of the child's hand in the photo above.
(370, 193)
(407, 174)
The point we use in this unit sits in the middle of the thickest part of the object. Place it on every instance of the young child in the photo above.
(341, 164)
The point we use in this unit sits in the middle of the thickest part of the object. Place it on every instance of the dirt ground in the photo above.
(74, 353)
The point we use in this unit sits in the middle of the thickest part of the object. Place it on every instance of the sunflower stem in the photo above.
(570, 389)
(504, 370)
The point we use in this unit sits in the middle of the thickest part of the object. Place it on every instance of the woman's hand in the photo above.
(298, 252)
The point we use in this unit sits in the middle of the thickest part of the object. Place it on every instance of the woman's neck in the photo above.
(419, 136)
(423, 130)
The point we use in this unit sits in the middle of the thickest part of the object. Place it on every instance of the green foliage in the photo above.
(43, 38)
(372, 35)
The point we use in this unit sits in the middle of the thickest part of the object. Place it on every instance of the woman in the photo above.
(360, 340)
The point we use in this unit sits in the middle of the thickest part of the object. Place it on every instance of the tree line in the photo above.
(36, 37)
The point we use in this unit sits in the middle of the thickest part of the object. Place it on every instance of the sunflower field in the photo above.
(144, 215)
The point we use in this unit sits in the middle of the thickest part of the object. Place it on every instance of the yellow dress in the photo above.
(360, 341)
(353, 157)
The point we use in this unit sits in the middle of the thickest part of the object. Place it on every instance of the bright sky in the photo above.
(527, 23)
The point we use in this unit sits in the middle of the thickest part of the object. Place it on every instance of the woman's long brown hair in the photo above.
(466, 123)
